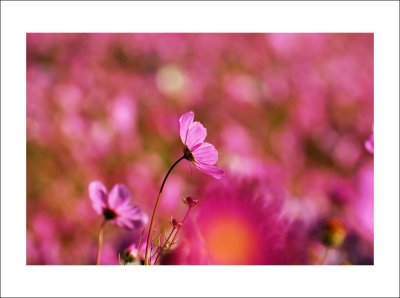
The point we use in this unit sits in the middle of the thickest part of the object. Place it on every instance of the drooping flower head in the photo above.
(116, 206)
(202, 154)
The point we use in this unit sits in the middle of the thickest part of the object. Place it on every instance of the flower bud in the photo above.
(131, 256)
(175, 224)
(191, 202)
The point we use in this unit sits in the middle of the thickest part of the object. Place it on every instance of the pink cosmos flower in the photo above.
(240, 222)
(203, 155)
(116, 206)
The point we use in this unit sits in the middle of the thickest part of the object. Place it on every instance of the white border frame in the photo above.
(18, 18)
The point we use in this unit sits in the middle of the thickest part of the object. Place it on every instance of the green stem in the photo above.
(146, 260)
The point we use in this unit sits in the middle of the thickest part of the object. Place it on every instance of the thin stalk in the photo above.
(186, 215)
(146, 260)
(163, 247)
(172, 232)
(100, 241)
(183, 221)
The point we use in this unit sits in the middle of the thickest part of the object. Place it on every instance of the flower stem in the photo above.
(169, 236)
(100, 241)
(146, 260)
(183, 221)
(186, 215)
(165, 243)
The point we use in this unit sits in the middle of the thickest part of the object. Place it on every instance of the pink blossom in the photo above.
(369, 144)
(240, 222)
(203, 155)
(116, 206)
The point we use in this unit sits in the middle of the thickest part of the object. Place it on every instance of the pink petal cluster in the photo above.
(116, 205)
(202, 154)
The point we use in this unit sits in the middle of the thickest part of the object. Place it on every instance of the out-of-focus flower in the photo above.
(134, 255)
(363, 212)
(203, 155)
(171, 80)
(333, 233)
(239, 222)
(369, 144)
(116, 206)
(123, 114)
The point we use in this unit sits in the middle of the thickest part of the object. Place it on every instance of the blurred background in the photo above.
(288, 114)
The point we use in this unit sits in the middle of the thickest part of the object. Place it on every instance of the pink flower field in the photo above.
(200, 149)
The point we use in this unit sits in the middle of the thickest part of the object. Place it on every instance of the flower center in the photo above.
(109, 214)
(188, 154)
(230, 239)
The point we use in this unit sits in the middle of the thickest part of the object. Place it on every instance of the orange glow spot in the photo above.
(230, 240)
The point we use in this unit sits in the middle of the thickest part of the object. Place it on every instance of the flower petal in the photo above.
(123, 223)
(205, 153)
(119, 195)
(213, 171)
(196, 135)
(130, 216)
(184, 123)
(98, 196)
